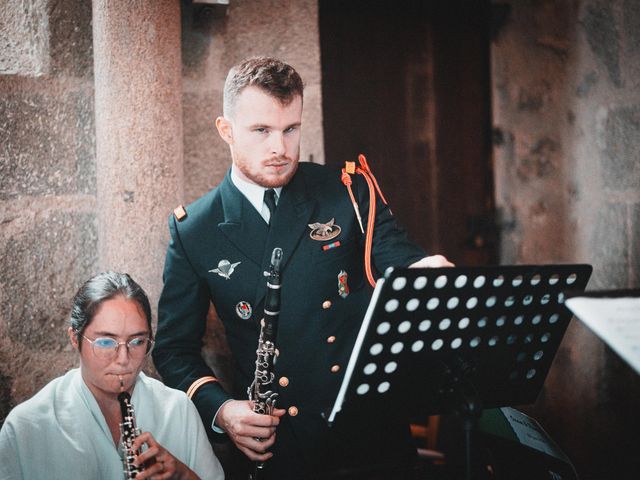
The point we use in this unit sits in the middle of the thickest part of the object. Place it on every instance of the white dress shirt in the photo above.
(254, 193)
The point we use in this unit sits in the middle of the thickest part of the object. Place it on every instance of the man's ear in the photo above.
(72, 337)
(225, 130)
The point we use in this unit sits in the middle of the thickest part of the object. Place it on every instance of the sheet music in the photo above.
(530, 433)
(615, 320)
(356, 351)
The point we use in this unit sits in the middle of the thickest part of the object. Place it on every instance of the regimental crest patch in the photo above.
(243, 309)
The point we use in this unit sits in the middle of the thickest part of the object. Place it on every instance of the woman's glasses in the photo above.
(106, 348)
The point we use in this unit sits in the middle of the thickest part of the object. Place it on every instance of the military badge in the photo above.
(225, 268)
(243, 309)
(343, 287)
(180, 213)
(324, 231)
(331, 245)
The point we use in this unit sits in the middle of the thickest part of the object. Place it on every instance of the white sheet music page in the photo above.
(355, 352)
(616, 320)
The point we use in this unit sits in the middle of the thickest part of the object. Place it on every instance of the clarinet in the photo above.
(263, 398)
(129, 431)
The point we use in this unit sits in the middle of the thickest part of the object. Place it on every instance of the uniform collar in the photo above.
(255, 239)
(252, 192)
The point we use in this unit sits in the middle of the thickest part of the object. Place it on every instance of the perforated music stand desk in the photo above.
(435, 339)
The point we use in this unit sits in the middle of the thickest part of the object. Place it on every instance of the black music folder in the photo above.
(433, 339)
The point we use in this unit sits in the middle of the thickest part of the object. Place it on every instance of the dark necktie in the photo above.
(270, 202)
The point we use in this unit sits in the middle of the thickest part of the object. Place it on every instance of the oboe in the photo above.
(263, 398)
(128, 431)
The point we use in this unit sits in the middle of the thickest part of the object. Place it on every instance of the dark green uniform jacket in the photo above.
(317, 325)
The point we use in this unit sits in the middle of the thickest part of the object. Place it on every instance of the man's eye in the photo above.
(290, 129)
(260, 130)
(105, 343)
(137, 342)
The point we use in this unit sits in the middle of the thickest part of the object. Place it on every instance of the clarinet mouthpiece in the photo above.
(276, 258)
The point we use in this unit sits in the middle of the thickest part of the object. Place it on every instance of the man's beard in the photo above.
(265, 180)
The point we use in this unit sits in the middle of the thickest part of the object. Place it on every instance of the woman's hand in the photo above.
(159, 463)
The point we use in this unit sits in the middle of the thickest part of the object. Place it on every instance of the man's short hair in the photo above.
(271, 75)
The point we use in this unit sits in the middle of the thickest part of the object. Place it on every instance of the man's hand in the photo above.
(434, 261)
(252, 432)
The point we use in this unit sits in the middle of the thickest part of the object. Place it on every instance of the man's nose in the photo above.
(277, 144)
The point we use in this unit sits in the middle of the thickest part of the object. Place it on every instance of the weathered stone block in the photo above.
(24, 38)
(206, 156)
(631, 22)
(541, 161)
(41, 268)
(609, 248)
(603, 37)
(71, 40)
(47, 145)
(586, 84)
(634, 260)
(534, 98)
(200, 29)
(312, 142)
(621, 159)
(251, 27)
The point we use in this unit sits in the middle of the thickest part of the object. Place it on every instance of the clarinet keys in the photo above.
(129, 431)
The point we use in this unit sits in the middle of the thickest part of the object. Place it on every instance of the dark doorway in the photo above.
(407, 84)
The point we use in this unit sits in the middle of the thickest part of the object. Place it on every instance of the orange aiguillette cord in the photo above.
(365, 171)
(364, 165)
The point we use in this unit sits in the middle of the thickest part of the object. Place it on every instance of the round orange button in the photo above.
(283, 382)
(331, 339)
(326, 304)
(335, 368)
(293, 411)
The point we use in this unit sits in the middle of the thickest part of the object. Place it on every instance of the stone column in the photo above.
(139, 149)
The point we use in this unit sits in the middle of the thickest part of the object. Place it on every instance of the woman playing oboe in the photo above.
(74, 427)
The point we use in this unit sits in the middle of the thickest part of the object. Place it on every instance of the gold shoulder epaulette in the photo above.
(180, 213)
(350, 167)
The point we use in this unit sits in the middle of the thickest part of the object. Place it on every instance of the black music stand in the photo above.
(447, 340)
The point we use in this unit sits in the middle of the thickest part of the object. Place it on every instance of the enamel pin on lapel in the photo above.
(243, 309)
(225, 268)
(343, 286)
(324, 231)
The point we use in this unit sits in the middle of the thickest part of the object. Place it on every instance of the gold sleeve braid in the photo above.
(191, 391)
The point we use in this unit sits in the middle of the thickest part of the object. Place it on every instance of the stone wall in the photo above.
(48, 228)
(24, 37)
(566, 110)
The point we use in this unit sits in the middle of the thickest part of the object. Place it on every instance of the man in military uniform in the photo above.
(221, 245)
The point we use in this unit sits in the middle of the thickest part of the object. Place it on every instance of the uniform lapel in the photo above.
(242, 225)
(288, 225)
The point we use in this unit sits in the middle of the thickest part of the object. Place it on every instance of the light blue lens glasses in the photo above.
(106, 348)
